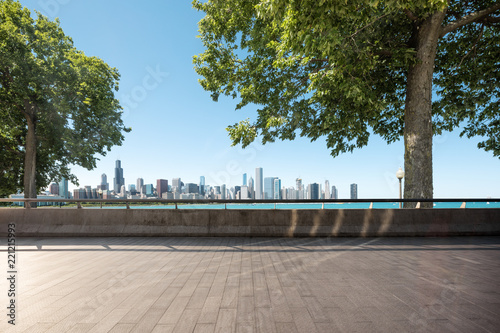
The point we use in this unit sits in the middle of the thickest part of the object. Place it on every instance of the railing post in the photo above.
(463, 204)
(78, 205)
(127, 204)
(371, 205)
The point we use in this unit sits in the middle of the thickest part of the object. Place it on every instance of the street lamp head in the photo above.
(400, 174)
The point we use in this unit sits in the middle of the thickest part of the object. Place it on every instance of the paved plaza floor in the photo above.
(254, 285)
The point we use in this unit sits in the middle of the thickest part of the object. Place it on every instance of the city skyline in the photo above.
(272, 188)
(178, 130)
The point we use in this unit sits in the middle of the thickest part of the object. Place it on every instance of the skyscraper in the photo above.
(148, 189)
(269, 187)
(250, 188)
(123, 192)
(161, 186)
(63, 188)
(244, 179)
(223, 192)
(313, 191)
(354, 191)
(259, 182)
(88, 192)
(335, 193)
(327, 190)
(244, 193)
(202, 185)
(54, 188)
(104, 182)
(191, 188)
(118, 180)
(176, 185)
(298, 181)
(277, 189)
(140, 184)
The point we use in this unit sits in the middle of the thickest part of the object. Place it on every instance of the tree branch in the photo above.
(369, 24)
(14, 151)
(411, 15)
(473, 46)
(469, 19)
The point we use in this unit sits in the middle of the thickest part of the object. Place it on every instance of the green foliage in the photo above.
(339, 68)
(75, 112)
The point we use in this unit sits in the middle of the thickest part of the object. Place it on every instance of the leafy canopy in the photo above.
(69, 96)
(339, 68)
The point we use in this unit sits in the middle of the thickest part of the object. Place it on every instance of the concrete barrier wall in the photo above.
(55, 222)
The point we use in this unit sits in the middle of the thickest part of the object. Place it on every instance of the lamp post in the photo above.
(400, 175)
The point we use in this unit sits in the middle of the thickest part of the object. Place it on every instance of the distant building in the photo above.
(202, 185)
(244, 194)
(251, 184)
(223, 192)
(140, 184)
(118, 180)
(63, 188)
(79, 193)
(88, 192)
(259, 182)
(54, 189)
(335, 193)
(123, 192)
(313, 191)
(327, 190)
(244, 179)
(191, 188)
(269, 187)
(148, 190)
(104, 182)
(161, 187)
(131, 188)
(277, 189)
(167, 195)
(176, 185)
(354, 191)
(298, 182)
(236, 190)
(40, 196)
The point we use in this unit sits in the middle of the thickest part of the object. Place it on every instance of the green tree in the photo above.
(346, 69)
(57, 105)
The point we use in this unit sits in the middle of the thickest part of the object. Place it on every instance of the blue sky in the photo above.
(178, 131)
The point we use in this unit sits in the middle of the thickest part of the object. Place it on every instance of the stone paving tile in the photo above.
(256, 285)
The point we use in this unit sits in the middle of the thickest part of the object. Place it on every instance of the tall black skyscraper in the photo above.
(118, 180)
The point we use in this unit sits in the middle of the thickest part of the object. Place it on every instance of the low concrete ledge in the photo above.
(55, 222)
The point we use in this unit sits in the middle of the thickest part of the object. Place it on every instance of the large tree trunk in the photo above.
(418, 112)
(30, 155)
